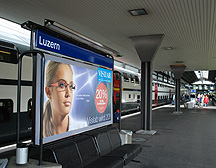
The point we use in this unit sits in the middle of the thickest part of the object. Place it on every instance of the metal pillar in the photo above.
(178, 71)
(146, 96)
(178, 96)
(146, 47)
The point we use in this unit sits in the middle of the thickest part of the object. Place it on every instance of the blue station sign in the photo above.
(51, 43)
(193, 91)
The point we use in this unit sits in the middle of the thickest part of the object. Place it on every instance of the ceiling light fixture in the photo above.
(137, 12)
(167, 48)
(179, 62)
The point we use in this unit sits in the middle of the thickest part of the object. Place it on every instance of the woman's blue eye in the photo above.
(71, 87)
(61, 85)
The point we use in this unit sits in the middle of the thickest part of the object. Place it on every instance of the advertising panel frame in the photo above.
(49, 57)
(59, 57)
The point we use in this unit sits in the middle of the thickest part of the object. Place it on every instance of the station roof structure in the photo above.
(188, 27)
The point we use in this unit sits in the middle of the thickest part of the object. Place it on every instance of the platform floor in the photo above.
(182, 141)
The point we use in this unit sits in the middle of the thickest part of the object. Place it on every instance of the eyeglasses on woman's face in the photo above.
(62, 85)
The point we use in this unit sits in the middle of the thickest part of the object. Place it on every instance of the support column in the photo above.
(146, 47)
(178, 96)
(146, 96)
(178, 71)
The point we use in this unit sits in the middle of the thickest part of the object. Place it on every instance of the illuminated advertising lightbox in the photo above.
(77, 98)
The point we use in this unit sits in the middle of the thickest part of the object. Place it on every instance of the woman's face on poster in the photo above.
(61, 95)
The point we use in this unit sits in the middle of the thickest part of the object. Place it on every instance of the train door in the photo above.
(116, 95)
(156, 95)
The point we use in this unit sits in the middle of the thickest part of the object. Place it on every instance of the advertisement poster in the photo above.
(77, 98)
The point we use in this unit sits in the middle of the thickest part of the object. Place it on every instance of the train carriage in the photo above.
(8, 94)
(162, 92)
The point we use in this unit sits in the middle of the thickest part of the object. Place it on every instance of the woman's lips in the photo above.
(67, 103)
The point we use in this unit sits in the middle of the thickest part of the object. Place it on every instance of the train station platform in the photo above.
(187, 140)
(181, 141)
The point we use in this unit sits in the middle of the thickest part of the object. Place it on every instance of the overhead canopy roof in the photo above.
(188, 27)
(190, 77)
(212, 76)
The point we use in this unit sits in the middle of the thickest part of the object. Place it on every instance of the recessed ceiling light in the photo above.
(167, 48)
(179, 62)
(137, 12)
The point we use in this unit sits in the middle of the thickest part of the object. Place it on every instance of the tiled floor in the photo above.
(182, 141)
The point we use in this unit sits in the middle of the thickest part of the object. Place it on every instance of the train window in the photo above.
(154, 76)
(132, 78)
(117, 76)
(117, 95)
(136, 80)
(8, 52)
(126, 79)
(129, 96)
(160, 78)
(30, 108)
(117, 105)
(6, 110)
(134, 96)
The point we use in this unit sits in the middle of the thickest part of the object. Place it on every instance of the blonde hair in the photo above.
(48, 124)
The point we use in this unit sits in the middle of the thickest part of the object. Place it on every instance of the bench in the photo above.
(97, 148)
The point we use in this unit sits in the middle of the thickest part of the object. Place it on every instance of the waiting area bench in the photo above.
(100, 148)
